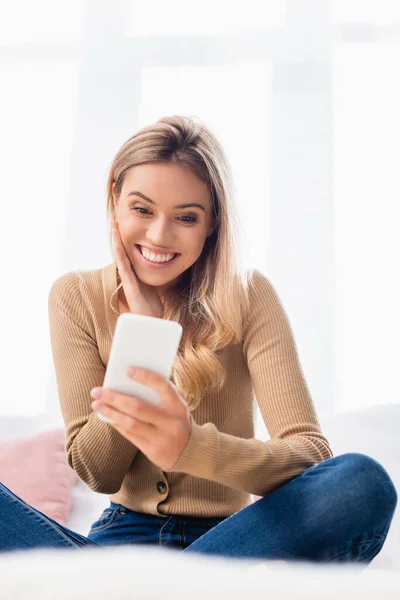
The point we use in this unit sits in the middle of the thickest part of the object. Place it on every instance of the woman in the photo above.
(182, 474)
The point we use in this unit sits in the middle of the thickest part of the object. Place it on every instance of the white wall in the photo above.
(303, 96)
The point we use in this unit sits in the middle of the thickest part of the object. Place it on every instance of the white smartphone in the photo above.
(140, 341)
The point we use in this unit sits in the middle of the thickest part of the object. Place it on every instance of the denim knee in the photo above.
(373, 479)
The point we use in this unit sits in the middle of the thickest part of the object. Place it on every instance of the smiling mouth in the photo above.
(156, 262)
(156, 253)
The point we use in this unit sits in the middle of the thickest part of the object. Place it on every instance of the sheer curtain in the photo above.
(304, 97)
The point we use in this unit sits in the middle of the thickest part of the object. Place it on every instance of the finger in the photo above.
(134, 407)
(117, 250)
(120, 251)
(125, 269)
(125, 422)
(143, 444)
(168, 393)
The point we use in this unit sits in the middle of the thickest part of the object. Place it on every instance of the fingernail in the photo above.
(96, 393)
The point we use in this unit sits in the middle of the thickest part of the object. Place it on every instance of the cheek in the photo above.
(196, 248)
(128, 233)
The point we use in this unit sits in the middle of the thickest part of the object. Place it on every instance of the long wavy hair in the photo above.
(211, 298)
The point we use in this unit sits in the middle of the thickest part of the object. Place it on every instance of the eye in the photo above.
(139, 208)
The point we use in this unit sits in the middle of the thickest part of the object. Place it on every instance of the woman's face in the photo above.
(157, 222)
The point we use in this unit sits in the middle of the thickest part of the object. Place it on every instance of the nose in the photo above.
(158, 234)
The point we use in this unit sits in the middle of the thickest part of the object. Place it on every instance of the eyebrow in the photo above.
(136, 193)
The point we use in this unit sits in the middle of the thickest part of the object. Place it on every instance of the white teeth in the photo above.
(155, 257)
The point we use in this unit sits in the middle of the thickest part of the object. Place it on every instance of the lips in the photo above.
(155, 265)
(139, 246)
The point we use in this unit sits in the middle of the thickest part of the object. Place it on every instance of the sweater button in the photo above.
(162, 488)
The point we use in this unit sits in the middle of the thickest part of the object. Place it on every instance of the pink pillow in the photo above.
(35, 468)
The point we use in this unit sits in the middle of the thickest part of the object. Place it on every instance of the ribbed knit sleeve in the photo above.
(296, 443)
(99, 455)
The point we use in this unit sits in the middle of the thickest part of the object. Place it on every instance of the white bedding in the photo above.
(156, 573)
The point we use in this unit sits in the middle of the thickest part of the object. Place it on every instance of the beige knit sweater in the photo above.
(222, 464)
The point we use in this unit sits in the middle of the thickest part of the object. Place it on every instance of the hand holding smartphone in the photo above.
(141, 341)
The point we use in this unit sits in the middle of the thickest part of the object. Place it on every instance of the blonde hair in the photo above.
(211, 298)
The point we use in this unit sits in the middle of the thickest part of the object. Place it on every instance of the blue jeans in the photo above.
(338, 510)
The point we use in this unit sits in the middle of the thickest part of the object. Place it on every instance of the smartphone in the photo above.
(140, 341)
